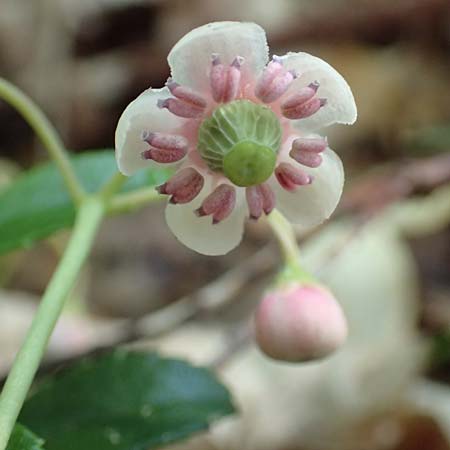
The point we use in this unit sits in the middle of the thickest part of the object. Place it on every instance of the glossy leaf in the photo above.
(37, 204)
(23, 439)
(124, 401)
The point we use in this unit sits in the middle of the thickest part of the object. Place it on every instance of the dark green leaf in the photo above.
(23, 439)
(37, 203)
(124, 401)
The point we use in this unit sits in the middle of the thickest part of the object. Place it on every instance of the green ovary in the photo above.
(249, 164)
(241, 139)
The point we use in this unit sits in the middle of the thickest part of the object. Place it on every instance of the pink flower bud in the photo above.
(299, 323)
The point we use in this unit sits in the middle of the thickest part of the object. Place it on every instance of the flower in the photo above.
(240, 130)
(299, 322)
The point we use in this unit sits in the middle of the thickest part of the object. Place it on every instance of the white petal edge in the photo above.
(199, 234)
(308, 206)
(340, 107)
(142, 114)
(190, 58)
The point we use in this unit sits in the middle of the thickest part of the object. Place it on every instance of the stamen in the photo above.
(259, 198)
(301, 96)
(307, 151)
(183, 187)
(315, 145)
(304, 110)
(268, 198)
(274, 81)
(186, 94)
(309, 159)
(290, 177)
(181, 108)
(220, 203)
(166, 141)
(163, 156)
(169, 147)
(225, 80)
(254, 202)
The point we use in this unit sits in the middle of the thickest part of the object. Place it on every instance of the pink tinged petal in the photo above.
(190, 57)
(291, 177)
(137, 117)
(184, 186)
(310, 205)
(199, 234)
(340, 107)
(186, 94)
(219, 204)
(225, 80)
(181, 108)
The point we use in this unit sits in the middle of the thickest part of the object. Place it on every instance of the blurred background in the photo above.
(385, 253)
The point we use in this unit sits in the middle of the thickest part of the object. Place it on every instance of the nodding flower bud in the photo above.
(299, 322)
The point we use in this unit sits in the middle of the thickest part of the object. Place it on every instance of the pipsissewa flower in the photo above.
(241, 130)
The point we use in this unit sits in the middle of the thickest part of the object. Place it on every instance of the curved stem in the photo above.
(292, 270)
(27, 361)
(113, 185)
(132, 200)
(286, 236)
(46, 133)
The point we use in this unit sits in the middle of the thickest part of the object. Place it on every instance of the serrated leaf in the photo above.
(37, 204)
(124, 401)
(23, 439)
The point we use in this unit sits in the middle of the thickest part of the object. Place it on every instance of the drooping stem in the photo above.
(46, 133)
(33, 348)
(285, 235)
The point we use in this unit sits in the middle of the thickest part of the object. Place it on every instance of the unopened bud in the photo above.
(299, 322)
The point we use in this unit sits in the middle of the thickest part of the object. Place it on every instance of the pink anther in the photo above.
(219, 204)
(181, 108)
(304, 110)
(274, 81)
(186, 94)
(313, 145)
(225, 80)
(290, 177)
(259, 198)
(183, 187)
(166, 141)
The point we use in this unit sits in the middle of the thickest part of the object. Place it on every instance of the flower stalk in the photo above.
(46, 133)
(27, 361)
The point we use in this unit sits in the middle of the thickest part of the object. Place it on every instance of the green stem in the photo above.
(113, 185)
(46, 133)
(27, 361)
(285, 235)
(132, 200)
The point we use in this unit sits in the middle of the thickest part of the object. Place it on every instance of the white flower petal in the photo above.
(340, 107)
(310, 205)
(142, 114)
(190, 58)
(199, 234)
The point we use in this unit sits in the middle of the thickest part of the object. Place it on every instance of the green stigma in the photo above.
(241, 139)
